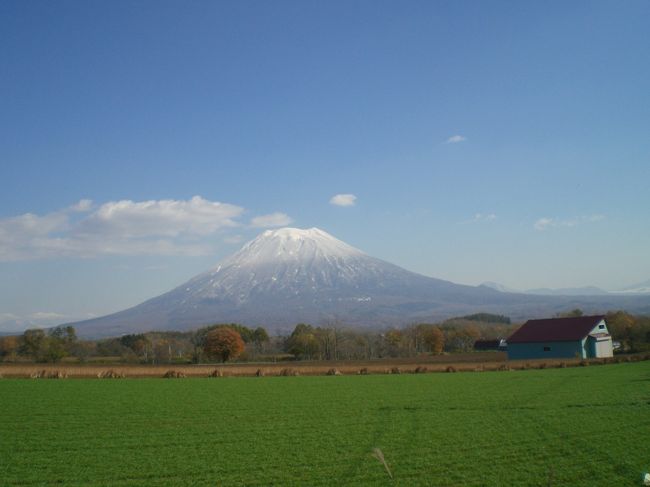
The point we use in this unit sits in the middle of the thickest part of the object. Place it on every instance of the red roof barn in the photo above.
(579, 337)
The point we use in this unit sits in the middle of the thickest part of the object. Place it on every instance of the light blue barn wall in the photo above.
(534, 350)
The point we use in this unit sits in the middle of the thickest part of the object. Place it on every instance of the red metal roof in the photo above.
(555, 329)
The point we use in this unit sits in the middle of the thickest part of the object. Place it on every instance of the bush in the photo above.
(450, 369)
(333, 372)
(363, 371)
(395, 370)
(421, 370)
(259, 373)
(216, 373)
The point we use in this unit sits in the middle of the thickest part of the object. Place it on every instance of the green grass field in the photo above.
(576, 426)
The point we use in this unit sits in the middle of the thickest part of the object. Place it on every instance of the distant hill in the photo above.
(640, 288)
(569, 291)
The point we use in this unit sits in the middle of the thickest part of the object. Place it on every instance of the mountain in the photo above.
(545, 291)
(640, 288)
(499, 287)
(569, 291)
(288, 276)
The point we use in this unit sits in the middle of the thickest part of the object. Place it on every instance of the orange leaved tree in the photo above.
(223, 343)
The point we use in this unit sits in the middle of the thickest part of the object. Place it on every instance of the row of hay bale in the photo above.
(288, 372)
(49, 374)
(111, 374)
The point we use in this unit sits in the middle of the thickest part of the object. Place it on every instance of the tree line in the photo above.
(333, 341)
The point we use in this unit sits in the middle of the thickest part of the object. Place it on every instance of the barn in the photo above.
(578, 337)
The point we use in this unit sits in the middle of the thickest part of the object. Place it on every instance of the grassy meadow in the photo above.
(581, 426)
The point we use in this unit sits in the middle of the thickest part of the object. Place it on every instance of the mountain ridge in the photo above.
(289, 275)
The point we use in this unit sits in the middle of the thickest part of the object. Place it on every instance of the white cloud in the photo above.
(233, 239)
(82, 205)
(481, 217)
(345, 199)
(595, 218)
(545, 223)
(455, 139)
(272, 220)
(166, 218)
(161, 227)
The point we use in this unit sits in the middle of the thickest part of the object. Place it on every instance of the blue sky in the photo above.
(502, 141)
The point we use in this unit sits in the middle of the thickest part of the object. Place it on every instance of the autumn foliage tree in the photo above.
(434, 339)
(223, 343)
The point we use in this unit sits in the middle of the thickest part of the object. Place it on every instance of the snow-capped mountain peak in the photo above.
(291, 244)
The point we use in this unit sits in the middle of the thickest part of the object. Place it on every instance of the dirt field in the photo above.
(470, 362)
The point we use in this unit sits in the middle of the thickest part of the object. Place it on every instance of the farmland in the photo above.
(570, 426)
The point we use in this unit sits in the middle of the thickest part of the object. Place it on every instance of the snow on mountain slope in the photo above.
(288, 260)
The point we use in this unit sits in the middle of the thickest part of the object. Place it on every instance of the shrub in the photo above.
(450, 369)
(542, 365)
(216, 373)
(562, 365)
(333, 372)
(259, 373)
(363, 371)
(504, 368)
(395, 370)
(421, 370)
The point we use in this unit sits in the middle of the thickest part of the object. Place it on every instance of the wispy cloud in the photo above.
(155, 227)
(345, 199)
(12, 323)
(484, 217)
(455, 139)
(545, 223)
(481, 217)
(272, 220)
